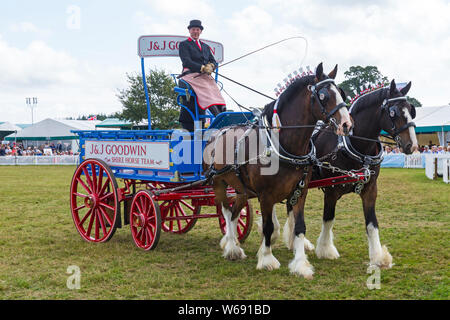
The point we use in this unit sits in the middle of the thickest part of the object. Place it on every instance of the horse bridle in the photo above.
(393, 112)
(320, 93)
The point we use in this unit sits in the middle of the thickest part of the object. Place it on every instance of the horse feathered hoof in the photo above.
(233, 252)
(266, 260)
(385, 260)
(327, 251)
(301, 268)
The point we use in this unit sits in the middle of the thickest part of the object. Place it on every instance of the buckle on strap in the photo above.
(336, 109)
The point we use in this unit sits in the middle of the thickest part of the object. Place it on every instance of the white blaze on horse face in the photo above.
(343, 112)
(412, 132)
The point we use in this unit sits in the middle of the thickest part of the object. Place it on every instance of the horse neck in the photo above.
(296, 112)
(367, 124)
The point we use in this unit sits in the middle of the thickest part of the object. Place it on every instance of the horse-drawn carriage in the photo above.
(159, 191)
(164, 184)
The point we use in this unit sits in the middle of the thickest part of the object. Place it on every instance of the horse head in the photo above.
(327, 101)
(397, 116)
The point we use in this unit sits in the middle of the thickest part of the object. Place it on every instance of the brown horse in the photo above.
(383, 109)
(290, 154)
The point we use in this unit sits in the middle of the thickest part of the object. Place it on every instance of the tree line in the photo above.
(163, 99)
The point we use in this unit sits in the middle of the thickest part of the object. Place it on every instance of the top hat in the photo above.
(195, 23)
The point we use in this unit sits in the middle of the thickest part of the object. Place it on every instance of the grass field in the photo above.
(38, 242)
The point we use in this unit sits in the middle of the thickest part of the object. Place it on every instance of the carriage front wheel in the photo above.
(94, 201)
(145, 220)
(245, 221)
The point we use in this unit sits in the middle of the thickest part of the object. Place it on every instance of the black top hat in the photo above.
(195, 23)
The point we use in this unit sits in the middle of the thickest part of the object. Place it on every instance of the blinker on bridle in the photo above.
(394, 112)
(320, 93)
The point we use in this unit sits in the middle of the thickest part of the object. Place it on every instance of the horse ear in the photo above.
(405, 89)
(333, 73)
(392, 88)
(343, 94)
(319, 71)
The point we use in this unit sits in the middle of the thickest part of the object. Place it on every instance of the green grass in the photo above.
(38, 242)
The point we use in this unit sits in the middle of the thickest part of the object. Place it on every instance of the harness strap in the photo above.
(356, 155)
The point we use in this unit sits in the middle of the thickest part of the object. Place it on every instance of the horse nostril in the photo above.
(408, 147)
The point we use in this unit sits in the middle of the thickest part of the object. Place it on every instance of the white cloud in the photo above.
(64, 85)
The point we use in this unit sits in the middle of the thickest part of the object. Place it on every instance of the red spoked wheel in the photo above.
(245, 221)
(173, 210)
(94, 201)
(145, 220)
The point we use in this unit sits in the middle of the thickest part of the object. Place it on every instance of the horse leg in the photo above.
(325, 248)
(379, 255)
(266, 260)
(229, 243)
(276, 224)
(300, 265)
(288, 231)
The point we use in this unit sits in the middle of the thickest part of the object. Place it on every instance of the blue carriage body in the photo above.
(181, 168)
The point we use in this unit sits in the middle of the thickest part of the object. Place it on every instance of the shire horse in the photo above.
(299, 107)
(383, 109)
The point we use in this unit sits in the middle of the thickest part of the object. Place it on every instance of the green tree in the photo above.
(358, 78)
(163, 100)
(414, 101)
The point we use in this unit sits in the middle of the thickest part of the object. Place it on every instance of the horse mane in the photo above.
(294, 87)
(367, 98)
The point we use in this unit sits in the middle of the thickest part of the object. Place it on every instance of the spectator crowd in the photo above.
(426, 149)
(13, 149)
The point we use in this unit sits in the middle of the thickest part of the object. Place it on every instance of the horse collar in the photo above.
(344, 142)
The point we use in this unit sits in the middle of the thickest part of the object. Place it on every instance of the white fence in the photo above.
(39, 160)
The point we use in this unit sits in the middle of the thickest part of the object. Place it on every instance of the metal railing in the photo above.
(39, 160)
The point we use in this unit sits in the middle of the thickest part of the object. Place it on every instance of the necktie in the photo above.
(198, 44)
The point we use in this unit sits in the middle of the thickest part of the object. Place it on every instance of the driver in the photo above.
(198, 64)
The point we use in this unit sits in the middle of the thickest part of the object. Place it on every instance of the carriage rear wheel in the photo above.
(174, 213)
(94, 201)
(245, 221)
(145, 220)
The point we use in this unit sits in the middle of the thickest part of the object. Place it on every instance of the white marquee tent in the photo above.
(434, 120)
(7, 128)
(51, 130)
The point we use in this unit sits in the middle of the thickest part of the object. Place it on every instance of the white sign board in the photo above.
(168, 46)
(147, 155)
(430, 168)
(446, 170)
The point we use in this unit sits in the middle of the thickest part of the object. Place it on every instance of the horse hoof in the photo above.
(268, 262)
(233, 253)
(302, 268)
(385, 261)
(327, 252)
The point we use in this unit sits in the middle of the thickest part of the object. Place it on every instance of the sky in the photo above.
(74, 55)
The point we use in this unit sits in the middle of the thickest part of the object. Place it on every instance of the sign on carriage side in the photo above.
(147, 155)
(168, 46)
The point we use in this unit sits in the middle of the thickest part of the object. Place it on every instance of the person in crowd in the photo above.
(434, 149)
(198, 64)
(387, 150)
(2, 151)
(426, 149)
